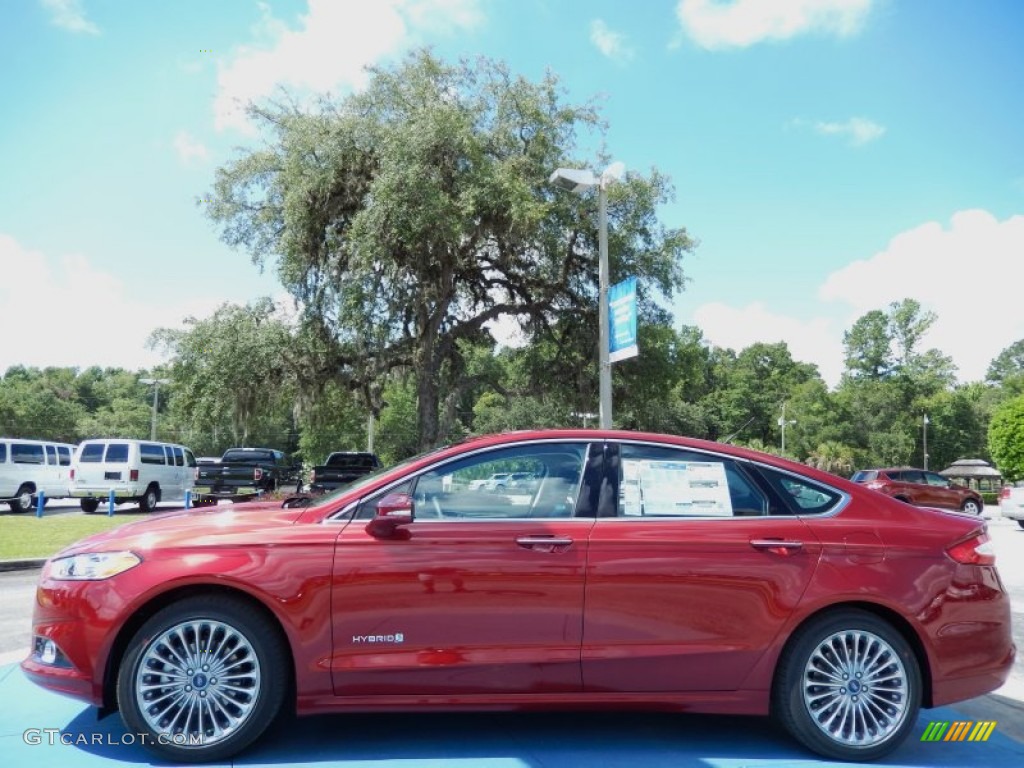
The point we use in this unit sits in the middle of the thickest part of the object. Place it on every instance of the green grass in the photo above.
(24, 536)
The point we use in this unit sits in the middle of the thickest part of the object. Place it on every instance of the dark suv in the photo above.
(922, 488)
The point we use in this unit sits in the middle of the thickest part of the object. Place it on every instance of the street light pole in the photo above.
(156, 390)
(575, 180)
(782, 423)
(924, 439)
(604, 365)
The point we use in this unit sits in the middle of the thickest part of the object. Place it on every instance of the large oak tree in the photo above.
(406, 218)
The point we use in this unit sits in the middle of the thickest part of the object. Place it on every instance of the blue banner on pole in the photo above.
(622, 318)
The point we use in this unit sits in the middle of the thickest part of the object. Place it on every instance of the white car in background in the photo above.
(134, 470)
(1011, 503)
(30, 466)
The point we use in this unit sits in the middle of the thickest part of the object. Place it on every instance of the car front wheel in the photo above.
(23, 501)
(971, 507)
(202, 679)
(848, 686)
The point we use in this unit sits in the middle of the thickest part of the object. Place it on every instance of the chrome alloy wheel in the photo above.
(855, 688)
(198, 682)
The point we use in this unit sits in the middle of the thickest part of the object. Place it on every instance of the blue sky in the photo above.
(831, 156)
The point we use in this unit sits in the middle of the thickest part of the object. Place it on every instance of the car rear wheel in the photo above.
(89, 505)
(848, 686)
(148, 500)
(203, 679)
(24, 500)
(971, 507)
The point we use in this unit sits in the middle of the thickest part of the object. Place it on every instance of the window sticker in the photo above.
(674, 488)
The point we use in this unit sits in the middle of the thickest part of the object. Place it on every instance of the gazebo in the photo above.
(977, 474)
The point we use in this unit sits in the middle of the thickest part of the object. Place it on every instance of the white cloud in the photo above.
(857, 130)
(715, 24)
(329, 49)
(189, 149)
(815, 342)
(69, 15)
(78, 315)
(967, 273)
(610, 43)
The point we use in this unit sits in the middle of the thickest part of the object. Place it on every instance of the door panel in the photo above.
(481, 593)
(684, 605)
(693, 579)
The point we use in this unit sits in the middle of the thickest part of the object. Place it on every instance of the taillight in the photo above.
(257, 474)
(876, 484)
(977, 550)
(195, 474)
(133, 475)
(312, 475)
(1004, 493)
(72, 474)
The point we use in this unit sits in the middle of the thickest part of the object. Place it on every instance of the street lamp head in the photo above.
(573, 179)
(154, 381)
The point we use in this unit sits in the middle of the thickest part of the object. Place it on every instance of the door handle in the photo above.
(777, 546)
(544, 543)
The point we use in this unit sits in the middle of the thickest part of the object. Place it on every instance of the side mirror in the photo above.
(393, 512)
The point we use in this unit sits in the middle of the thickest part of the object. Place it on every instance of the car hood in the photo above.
(228, 524)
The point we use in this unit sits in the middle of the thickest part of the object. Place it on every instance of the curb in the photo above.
(22, 565)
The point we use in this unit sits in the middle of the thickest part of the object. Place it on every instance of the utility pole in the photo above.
(924, 439)
(156, 389)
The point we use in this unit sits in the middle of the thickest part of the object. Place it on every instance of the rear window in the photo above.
(117, 453)
(92, 453)
(26, 453)
(150, 453)
(242, 457)
(65, 455)
(864, 476)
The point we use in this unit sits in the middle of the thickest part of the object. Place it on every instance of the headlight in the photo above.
(94, 567)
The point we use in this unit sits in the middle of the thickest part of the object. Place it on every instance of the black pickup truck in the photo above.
(244, 472)
(341, 468)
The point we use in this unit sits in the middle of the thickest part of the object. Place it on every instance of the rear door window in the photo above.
(179, 457)
(92, 453)
(912, 476)
(117, 453)
(51, 455)
(656, 481)
(64, 454)
(864, 476)
(3, 453)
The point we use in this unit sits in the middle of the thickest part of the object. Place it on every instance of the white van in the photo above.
(30, 466)
(135, 470)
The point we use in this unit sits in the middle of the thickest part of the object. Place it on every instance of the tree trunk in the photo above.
(427, 395)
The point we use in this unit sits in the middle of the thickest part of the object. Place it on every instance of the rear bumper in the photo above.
(951, 690)
(98, 492)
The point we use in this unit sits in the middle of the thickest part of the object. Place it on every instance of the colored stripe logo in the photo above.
(959, 730)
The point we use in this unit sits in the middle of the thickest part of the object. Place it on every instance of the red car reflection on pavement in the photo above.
(634, 569)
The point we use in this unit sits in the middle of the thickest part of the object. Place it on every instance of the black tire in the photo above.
(895, 701)
(89, 505)
(237, 634)
(148, 500)
(971, 507)
(24, 500)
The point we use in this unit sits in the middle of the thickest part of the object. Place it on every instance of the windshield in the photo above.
(367, 480)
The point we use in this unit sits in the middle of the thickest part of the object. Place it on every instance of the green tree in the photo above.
(1006, 439)
(1007, 364)
(408, 216)
(232, 381)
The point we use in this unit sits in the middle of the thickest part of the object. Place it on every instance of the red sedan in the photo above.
(633, 570)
